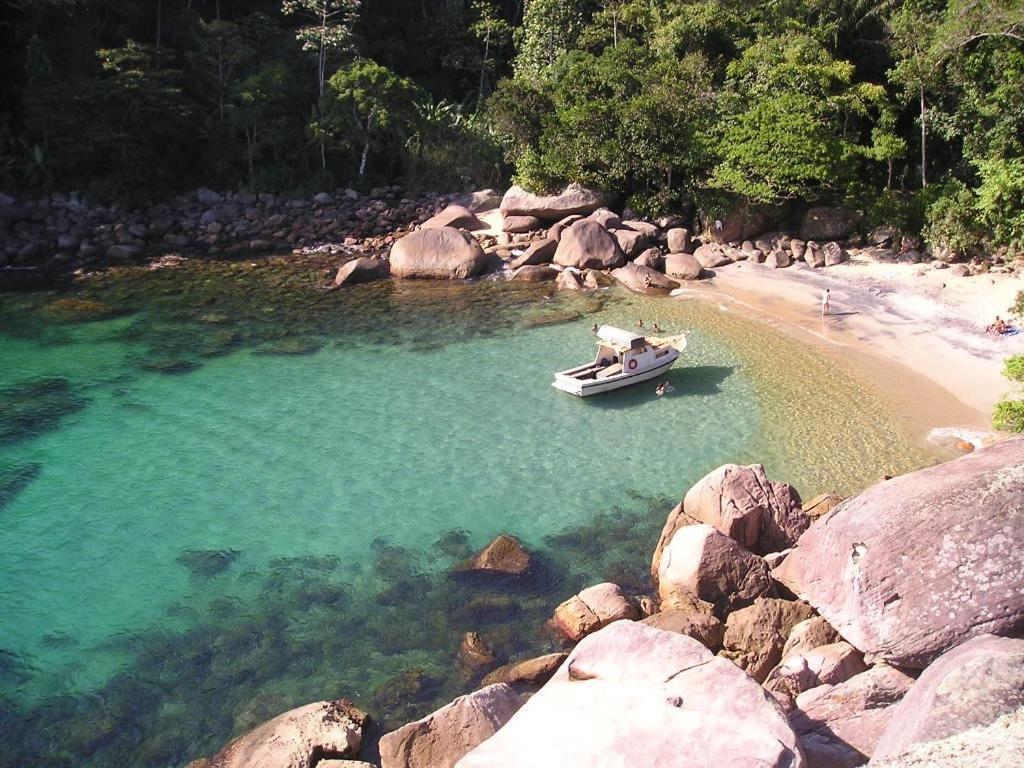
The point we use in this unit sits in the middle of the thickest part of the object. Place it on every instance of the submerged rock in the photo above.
(15, 480)
(632, 695)
(79, 310)
(442, 738)
(532, 672)
(915, 565)
(505, 555)
(362, 270)
(31, 408)
(207, 563)
(298, 738)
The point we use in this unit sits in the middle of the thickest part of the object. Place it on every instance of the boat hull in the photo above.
(584, 388)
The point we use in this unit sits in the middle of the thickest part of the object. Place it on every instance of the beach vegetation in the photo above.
(1008, 415)
(913, 111)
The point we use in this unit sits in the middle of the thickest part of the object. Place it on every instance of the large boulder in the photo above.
(643, 279)
(653, 258)
(479, 201)
(648, 230)
(808, 635)
(445, 253)
(839, 726)
(362, 270)
(297, 738)
(700, 561)
(833, 254)
(442, 738)
(517, 225)
(829, 223)
(454, 216)
(683, 266)
(632, 243)
(592, 609)
(814, 255)
(999, 745)
(969, 686)
(555, 233)
(742, 503)
(678, 240)
(573, 200)
(915, 565)
(607, 219)
(531, 672)
(539, 252)
(632, 695)
(742, 223)
(755, 635)
(586, 244)
(710, 255)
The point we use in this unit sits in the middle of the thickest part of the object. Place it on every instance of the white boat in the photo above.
(623, 358)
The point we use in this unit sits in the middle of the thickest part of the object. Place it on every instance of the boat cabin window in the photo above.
(605, 355)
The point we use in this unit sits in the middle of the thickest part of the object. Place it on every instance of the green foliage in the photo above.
(1000, 200)
(550, 29)
(1008, 416)
(1013, 368)
(950, 222)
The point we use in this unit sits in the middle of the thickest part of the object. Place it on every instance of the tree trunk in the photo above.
(483, 64)
(366, 146)
(888, 183)
(924, 137)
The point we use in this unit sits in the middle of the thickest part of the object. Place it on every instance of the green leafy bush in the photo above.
(950, 222)
(1013, 368)
(1009, 416)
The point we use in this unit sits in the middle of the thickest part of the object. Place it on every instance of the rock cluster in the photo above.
(731, 664)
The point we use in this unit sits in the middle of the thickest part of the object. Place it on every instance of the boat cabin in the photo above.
(621, 351)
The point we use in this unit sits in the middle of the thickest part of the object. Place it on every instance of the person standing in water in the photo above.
(824, 303)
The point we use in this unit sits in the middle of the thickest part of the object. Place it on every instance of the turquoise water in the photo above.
(215, 508)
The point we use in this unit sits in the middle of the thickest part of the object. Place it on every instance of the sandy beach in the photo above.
(919, 333)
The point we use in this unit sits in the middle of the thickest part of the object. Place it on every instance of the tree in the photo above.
(259, 108)
(916, 68)
(493, 32)
(329, 31)
(365, 106)
(550, 29)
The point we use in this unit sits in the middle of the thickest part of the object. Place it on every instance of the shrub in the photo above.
(1013, 368)
(950, 222)
(1008, 416)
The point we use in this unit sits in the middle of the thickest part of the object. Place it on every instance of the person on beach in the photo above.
(640, 323)
(825, 307)
(655, 328)
(594, 329)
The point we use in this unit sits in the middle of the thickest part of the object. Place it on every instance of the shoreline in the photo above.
(916, 346)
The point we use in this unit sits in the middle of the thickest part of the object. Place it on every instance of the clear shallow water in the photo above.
(236, 498)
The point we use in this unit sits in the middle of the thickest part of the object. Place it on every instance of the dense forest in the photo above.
(912, 111)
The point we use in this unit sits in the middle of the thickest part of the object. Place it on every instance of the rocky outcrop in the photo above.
(833, 254)
(915, 565)
(829, 223)
(653, 258)
(999, 745)
(592, 609)
(569, 280)
(632, 695)
(297, 738)
(825, 665)
(742, 503)
(607, 219)
(822, 504)
(362, 270)
(555, 233)
(539, 252)
(777, 259)
(479, 201)
(632, 243)
(586, 244)
(710, 256)
(755, 635)
(969, 686)
(678, 240)
(839, 726)
(702, 627)
(444, 253)
(442, 738)
(504, 556)
(517, 225)
(573, 200)
(643, 279)
(454, 216)
(683, 266)
(700, 561)
(531, 672)
(808, 635)
(743, 222)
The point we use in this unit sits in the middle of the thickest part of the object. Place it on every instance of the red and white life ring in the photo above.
(632, 364)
